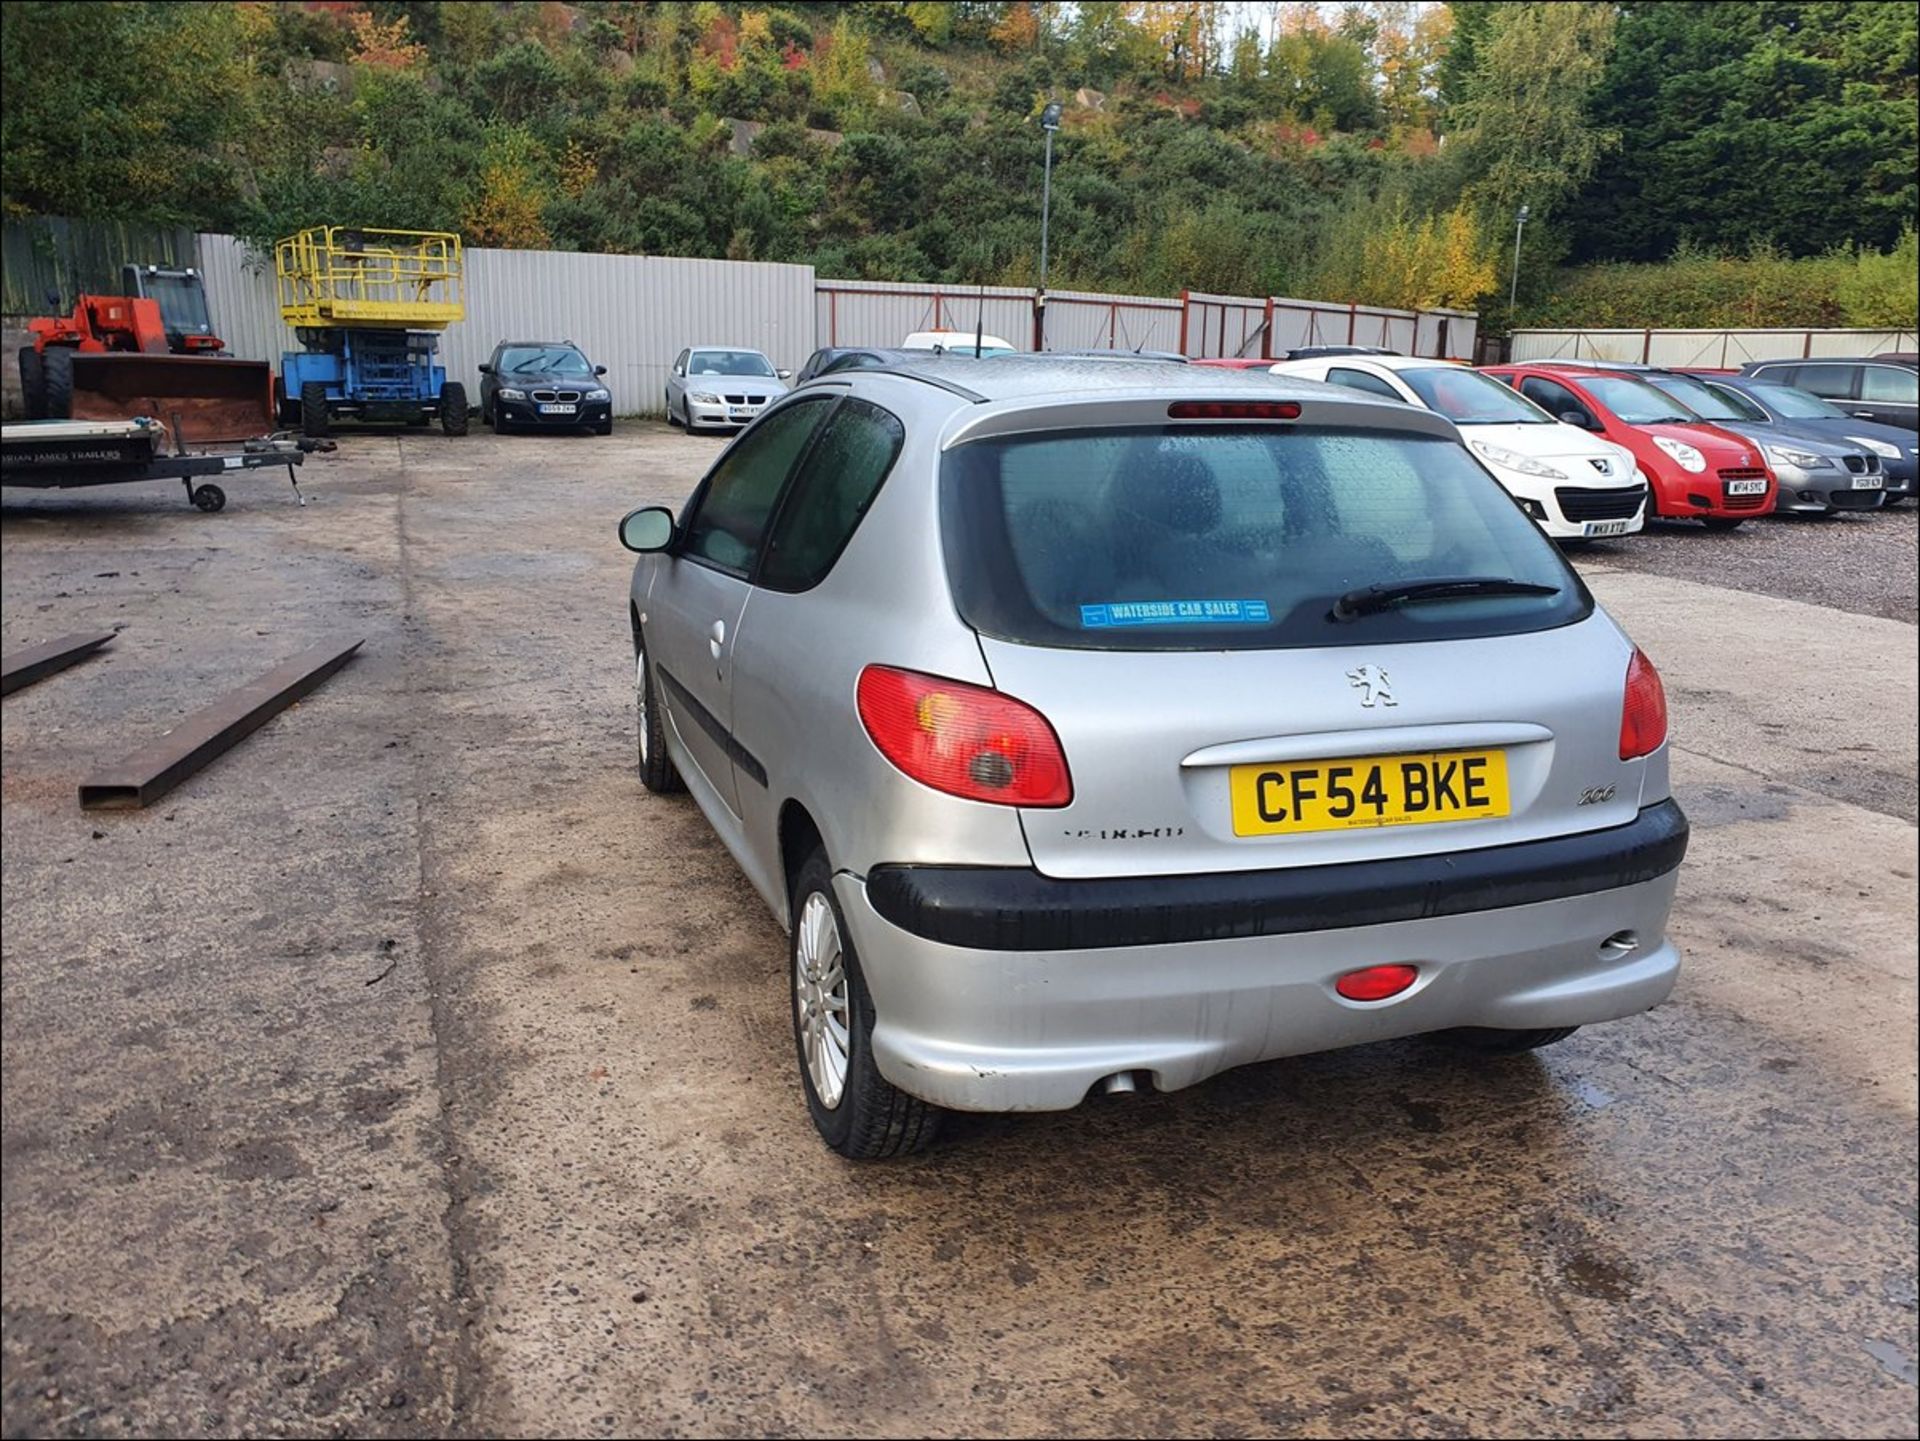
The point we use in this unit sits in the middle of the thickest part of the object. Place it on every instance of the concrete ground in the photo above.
(410, 1071)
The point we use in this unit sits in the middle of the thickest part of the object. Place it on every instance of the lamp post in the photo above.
(1513, 287)
(1049, 122)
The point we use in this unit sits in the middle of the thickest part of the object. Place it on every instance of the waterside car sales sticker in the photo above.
(1174, 612)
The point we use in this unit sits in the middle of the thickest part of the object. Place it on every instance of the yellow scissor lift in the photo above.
(368, 306)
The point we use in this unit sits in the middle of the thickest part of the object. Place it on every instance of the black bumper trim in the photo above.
(1015, 909)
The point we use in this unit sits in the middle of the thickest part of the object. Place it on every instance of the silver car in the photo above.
(1095, 726)
(721, 385)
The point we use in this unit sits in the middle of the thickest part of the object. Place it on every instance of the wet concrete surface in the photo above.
(411, 1071)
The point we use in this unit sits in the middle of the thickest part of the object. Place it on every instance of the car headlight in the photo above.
(1803, 459)
(1878, 447)
(1512, 460)
(700, 397)
(507, 392)
(598, 393)
(1689, 459)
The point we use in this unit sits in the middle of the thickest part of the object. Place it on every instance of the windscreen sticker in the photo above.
(1174, 612)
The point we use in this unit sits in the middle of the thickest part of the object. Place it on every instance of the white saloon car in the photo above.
(1576, 485)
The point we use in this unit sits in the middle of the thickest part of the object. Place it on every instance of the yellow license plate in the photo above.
(1357, 791)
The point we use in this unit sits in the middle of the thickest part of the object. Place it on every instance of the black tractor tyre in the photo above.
(57, 365)
(453, 408)
(314, 420)
(33, 383)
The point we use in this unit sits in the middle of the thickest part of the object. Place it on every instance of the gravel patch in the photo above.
(1859, 563)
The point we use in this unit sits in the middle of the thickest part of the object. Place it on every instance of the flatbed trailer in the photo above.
(59, 454)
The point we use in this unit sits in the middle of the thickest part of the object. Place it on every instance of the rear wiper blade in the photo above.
(1372, 598)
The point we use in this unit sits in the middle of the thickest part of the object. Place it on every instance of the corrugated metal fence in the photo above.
(45, 253)
(1715, 349)
(634, 313)
(630, 313)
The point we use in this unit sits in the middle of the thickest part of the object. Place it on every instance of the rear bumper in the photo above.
(1000, 989)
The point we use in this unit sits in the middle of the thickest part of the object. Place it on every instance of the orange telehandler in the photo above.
(151, 352)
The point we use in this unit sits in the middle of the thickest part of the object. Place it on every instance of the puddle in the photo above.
(1895, 1362)
(1604, 1280)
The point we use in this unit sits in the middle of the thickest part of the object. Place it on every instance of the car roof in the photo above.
(747, 349)
(1902, 360)
(1047, 375)
(538, 344)
(1388, 362)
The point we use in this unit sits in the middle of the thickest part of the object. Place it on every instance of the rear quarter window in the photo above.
(1189, 538)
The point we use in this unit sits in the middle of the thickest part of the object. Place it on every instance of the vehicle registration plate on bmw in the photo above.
(1868, 482)
(1605, 527)
(742, 412)
(1359, 791)
(1747, 487)
(555, 409)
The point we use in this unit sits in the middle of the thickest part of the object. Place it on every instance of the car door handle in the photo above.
(1863, 415)
(717, 637)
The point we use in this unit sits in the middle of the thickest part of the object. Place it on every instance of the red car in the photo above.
(1693, 469)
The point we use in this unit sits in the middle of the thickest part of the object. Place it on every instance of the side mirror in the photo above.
(486, 370)
(599, 370)
(784, 374)
(1579, 418)
(679, 372)
(648, 529)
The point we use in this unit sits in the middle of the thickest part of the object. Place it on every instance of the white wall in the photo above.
(1715, 349)
(630, 313)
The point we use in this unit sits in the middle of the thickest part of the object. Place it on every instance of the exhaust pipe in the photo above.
(1120, 1083)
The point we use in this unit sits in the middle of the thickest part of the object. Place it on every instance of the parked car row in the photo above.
(1590, 450)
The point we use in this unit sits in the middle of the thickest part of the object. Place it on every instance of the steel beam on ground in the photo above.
(37, 662)
(150, 772)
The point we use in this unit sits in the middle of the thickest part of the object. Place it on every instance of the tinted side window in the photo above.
(1890, 385)
(1833, 381)
(730, 513)
(1360, 380)
(830, 495)
(1551, 397)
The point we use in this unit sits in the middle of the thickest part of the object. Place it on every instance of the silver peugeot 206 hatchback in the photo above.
(1093, 727)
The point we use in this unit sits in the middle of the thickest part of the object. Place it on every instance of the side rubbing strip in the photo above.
(746, 760)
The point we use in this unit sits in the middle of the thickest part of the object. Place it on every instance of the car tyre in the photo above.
(657, 772)
(1491, 1042)
(863, 1116)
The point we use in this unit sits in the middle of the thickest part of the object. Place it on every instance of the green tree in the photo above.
(1791, 125)
(1522, 129)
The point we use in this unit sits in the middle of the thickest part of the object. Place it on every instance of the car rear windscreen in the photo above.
(1207, 538)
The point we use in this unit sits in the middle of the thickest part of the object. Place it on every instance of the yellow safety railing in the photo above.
(345, 275)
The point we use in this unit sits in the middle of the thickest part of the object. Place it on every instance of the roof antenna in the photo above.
(980, 322)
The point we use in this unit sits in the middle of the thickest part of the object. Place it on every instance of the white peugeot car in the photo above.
(1576, 485)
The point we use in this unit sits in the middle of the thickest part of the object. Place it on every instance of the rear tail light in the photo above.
(964, 739)
(1643, 717)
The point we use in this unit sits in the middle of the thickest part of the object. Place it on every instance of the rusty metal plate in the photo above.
(143, 777)
(37, 662)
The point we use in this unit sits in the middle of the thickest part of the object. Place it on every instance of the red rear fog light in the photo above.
(1376, 983)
